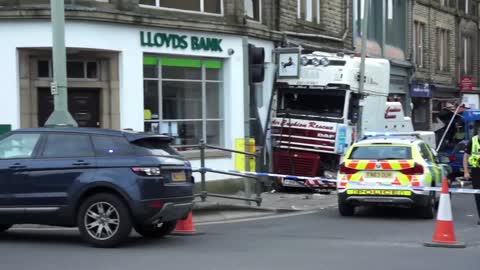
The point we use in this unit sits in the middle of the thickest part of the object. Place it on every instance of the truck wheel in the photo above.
(345, 209)
(428, 211)
(104, 220)
(4, 227)
(156, 230)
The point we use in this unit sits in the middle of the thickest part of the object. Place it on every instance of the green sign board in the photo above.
(5, 128)
(175, 41)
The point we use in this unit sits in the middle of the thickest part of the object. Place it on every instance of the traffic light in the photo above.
(256, 58)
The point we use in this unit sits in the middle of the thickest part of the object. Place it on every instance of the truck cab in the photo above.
(318, 115)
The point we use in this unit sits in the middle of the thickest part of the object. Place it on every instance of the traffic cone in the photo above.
(444, 234)
(185, 226)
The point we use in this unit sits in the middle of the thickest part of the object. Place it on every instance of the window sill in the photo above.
(305, 23)
(209, 153)
(182, 11)
(442, 72)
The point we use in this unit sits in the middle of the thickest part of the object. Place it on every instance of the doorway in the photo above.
(83, 105)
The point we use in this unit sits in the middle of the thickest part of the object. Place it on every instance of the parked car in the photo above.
(102, 181)
(456, 160)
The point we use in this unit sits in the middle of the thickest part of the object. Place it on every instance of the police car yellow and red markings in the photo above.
(379, 164)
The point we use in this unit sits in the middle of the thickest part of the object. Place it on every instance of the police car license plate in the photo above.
(379, 192)
(179, 177)
(379, 174)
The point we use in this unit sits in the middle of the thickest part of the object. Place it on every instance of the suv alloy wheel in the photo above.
(104, 220)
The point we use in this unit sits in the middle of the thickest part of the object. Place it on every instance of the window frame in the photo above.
(204, 119)
(468, 53)
(443, 64)
(45, 141)
(260, 12)
(202, 8)
(299, 12)
(419, 44)
(85, 69)
(36, 149)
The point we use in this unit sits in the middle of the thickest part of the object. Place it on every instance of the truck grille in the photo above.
(296, 163)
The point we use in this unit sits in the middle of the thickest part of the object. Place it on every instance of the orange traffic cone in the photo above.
(185, 226)
(444, 235)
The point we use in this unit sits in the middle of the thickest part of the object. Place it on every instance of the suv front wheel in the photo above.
(155, 230)
(104, 220)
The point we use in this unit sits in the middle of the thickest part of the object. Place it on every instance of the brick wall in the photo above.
(435, 17)
(335, 21)
(277, 16)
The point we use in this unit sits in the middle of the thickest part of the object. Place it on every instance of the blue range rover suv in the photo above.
(105, 182)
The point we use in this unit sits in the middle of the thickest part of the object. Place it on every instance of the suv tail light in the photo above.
(147, 171)
(417, 169)
(452, 158)
(343, 169)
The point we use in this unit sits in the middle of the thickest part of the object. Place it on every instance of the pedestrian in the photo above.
(472, 157)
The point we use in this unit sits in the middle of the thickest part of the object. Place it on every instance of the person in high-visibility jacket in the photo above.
(472, 157)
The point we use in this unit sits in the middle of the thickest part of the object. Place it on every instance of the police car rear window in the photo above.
(378, 152)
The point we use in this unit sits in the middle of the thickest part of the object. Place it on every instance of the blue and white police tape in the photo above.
(351, 184)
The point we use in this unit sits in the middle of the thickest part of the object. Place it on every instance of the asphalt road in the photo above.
(374, 239)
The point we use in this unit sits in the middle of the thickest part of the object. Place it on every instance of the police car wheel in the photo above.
(345, 209)
(428, 211)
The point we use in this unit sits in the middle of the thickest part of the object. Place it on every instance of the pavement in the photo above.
(273, 203)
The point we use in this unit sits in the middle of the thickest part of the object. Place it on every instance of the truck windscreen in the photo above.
(311, 102)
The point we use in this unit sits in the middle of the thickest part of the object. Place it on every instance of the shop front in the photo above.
(421, 94)
(444, 97)
(186, 84)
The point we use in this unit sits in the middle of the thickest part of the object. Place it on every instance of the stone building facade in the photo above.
(443, 58)
(148, 64)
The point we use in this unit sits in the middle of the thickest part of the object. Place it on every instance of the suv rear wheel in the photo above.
(104, 220)
(4, 227)
(155, 230)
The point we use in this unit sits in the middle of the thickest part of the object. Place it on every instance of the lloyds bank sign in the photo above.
(174, 41)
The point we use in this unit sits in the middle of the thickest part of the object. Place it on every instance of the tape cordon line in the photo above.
(352, 185)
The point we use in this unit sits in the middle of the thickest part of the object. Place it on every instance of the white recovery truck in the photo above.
(316, 117)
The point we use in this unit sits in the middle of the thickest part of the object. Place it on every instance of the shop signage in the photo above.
(175, 41)
(466, 84)
(304, 124)
(423, 90)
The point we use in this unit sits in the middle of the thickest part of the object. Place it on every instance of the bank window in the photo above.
(253, 9)
(442, 50)
(419, 38)
(75, 69)
(183, 98)
(207, 6)
(309, 10)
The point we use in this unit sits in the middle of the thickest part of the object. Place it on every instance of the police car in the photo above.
(390, 170)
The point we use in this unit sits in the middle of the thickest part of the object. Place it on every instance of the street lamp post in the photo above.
(366, 6)
(60, 115)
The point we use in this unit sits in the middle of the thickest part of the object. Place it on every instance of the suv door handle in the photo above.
(17, 166)
(81, 163)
